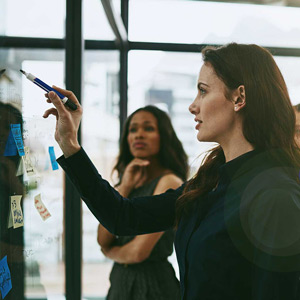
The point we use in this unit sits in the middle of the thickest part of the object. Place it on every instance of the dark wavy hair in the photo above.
(268, 119)
(171, 154)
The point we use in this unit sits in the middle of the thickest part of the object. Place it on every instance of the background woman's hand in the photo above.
(67, 121)
(134, 176)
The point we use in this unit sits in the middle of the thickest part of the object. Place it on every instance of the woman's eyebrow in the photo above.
(199, 84)
(136, 124)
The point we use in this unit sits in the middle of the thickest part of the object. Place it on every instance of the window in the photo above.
(213, 22)
(36, 21)
(100, 131)
(41, 252)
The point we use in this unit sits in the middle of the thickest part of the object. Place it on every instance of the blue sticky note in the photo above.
(10, 147)
(53, 159)
(17, 134)
(5, 279)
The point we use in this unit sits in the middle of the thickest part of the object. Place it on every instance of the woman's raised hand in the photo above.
(134, 176)
(67, 121)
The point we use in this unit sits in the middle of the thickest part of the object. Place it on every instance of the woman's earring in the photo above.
(235, 108)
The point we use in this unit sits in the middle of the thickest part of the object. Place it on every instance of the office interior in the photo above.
(116, 56)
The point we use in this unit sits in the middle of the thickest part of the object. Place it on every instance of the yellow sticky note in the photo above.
(16, 211)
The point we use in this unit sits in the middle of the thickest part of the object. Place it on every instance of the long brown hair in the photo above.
(268, 119)
(171, 154)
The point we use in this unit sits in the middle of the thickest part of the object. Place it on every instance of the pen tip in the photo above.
(22, 71)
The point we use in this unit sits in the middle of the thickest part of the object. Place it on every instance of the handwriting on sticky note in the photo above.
(16, 211)
(27, 162)
(5, 279)
(41, 208)
(53, 158)
(16, 132)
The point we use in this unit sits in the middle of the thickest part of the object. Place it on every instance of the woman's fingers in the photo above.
(69, 94)
(50, 111)
(57, 103)
(140, 162)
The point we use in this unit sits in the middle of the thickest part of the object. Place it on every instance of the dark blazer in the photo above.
(243, 244)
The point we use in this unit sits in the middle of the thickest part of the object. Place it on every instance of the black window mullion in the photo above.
(123, 75)
(73, 207)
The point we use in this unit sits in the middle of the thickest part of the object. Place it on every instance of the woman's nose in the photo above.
(139, 133)
(192, 107)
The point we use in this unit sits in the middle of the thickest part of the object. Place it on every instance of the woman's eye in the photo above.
(149, 128)
(132, 130)
(202, 91)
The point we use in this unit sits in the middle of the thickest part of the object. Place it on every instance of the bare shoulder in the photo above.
(168, 181)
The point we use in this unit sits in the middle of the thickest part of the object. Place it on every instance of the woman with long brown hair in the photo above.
(151, 161)
(238, 218)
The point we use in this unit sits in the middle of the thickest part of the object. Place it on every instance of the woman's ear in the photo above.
(239, 98)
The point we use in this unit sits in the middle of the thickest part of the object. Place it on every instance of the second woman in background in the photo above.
(151, 161)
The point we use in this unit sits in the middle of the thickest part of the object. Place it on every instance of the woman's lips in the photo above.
(198, 125)
(139, 145)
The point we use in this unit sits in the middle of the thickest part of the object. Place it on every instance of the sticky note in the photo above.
(20, 170)
(27, 162)
(10, 147)
(53, 159)
(10, 219)
(41, 208)
(16, 211)
(5, 279)
(16, 132)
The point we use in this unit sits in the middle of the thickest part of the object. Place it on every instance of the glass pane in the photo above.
(168, 80)
(290, 69)
(100, 131)
(213, 22)
(41, 18)
(39, 243)
(95, 23)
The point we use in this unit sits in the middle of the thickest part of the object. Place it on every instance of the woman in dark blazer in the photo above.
(238, 218)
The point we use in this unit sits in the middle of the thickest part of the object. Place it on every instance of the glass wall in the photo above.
(37, 245)
(213, 22)
(32, 18)
(34, 246)
(289, 67)
(100, 135)
(95, 25)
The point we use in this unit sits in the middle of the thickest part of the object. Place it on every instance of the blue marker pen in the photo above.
(47, 88)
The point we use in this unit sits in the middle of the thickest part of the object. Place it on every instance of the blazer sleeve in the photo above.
(121, 216)
(274, 222)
